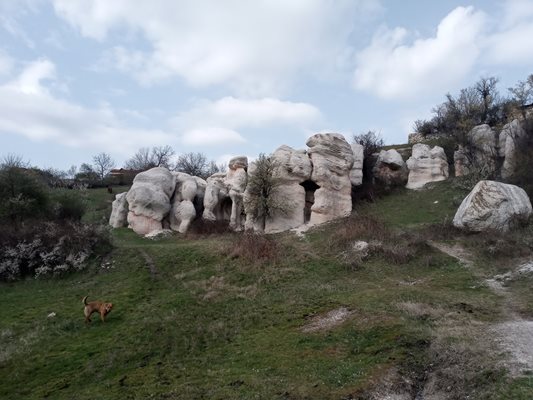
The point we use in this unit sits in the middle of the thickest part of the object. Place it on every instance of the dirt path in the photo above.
(456, 251)
(149, 263)
(515, 335)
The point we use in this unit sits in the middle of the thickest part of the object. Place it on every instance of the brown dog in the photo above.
(96, 306)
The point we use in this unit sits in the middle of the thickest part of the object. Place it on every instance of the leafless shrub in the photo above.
(253, 248)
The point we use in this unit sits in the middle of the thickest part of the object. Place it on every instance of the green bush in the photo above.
(22, 195)
(69, 205)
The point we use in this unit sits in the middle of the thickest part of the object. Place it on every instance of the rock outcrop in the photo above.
(291, 169)
(332, 159)
(235, 181)
(426, 165)
(509, 140)
(356, 173)
(215, 193)
(310, 187)
(149, 200)
(461, 162)
(493, 206)
(390, 169)
(183, 210)
(119, 211)
(483, 147)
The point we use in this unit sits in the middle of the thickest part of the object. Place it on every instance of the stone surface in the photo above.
(426, 165)
(493, 206)
(483, 147)
(215, 192)
(461, 162)
(119, 211)
(509, 140)
(390, 169)
(182, 211)
(291, 169)
(332, 159)
(356, 173)
(235, 181)
(149, 200)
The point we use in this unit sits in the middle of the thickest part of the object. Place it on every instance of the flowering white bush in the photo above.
(49, 250)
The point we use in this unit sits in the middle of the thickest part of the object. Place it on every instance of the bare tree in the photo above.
(487, 91)
(195, 164)
(103, 163)
(141, 161)
(162, 156)
(12, 160)
(523, 93)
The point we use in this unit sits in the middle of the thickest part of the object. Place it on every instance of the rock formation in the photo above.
(390, 169)
(291, 169)
(461, 162)
(310, 187)
(183, 210)
(426, 165)
(332, 160)
(483, 147)
(509, 140)
(493, 206)
(119, 212)
(356, 173)
(149, 200)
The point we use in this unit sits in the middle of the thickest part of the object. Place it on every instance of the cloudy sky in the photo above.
(229, 77)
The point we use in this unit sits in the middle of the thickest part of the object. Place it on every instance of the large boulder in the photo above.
(461, 162)
(236, 179)
(214, 195)
(149, 200)
(356, 173)
(223, 198)
(493, 206)
(426, 165)
(482, 145)
(332, 159)
(291, 169)
(119, 211)
(390, 169)
(509, 139)
(183, 210)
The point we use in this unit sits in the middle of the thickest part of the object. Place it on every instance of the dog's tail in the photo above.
(84, 301)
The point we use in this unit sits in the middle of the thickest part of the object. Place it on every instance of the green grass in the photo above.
(208, 325)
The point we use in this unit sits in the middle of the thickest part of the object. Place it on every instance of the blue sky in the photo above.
(231, 77)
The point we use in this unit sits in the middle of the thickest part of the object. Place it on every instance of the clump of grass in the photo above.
(253, 248)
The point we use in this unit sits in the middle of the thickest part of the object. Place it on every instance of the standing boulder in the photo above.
(290, 169)
(483, 147)
(332, 159)
(390, 169)
(493, 206)
(214, 195)
(235, 181)
(426, 165)
(356, 173)
(119, 212)
(509, 140)
(149, 200)
(461, 162)
(183, 211)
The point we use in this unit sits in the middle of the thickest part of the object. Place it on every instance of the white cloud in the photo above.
(392, 68)
(29, 109)
(251, 46)
(511, 43)
(6, 64)
(215, 122)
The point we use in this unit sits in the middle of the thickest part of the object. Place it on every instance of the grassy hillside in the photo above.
(229, 317)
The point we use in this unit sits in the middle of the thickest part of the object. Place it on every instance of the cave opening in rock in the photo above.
(224, 209)
(310, 188)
